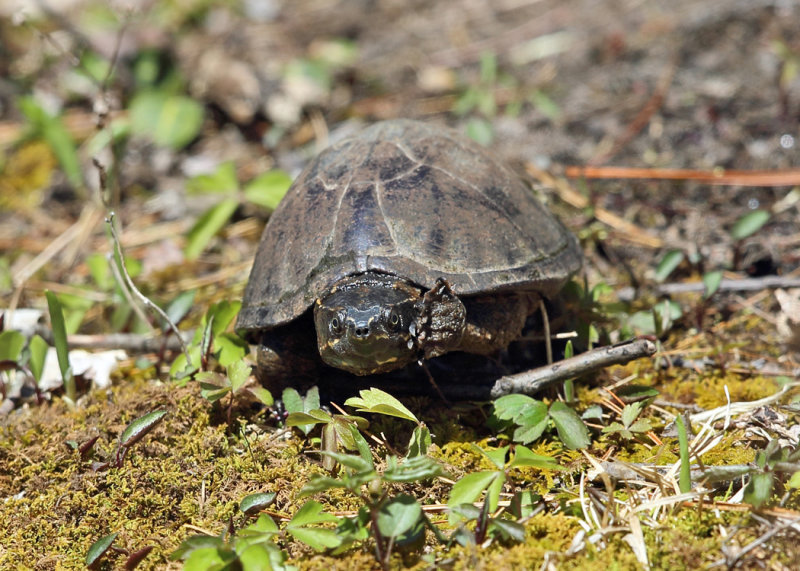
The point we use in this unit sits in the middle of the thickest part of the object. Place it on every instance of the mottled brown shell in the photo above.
(410, 199)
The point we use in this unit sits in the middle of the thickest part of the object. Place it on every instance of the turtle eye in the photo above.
(394, 320)
(336, 325)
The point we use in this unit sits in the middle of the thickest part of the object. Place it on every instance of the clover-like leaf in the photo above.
(571, 429)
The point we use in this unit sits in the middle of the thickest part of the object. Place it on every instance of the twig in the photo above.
(120, 279)
(139, 295)
(746, 284)
(530, 382)
(787, 177)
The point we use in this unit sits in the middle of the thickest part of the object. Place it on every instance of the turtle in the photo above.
(396, 245)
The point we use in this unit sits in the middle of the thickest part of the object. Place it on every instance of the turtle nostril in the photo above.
(362, 331)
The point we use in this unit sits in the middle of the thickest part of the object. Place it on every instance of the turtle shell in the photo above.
(410, 199)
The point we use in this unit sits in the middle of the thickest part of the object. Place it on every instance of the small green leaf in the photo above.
(223, 313)
(668, 263)
(100, 271)
(312, 512)
(194, 542)
(630, 412)
(749, 224)
(262, 395)
(420, 441)
(230, 348)
(38, 348)
(794, 481)
(532, 422)
(60, 340)
(711, 281)
(238, 373)
(380, 402)
(480, 131)
(493, 492)
(99, 548)
(180, 305)
(529, 433)
(52, 130)
(471, 486)
(641, 425)
(137, 429)
(317, 538)
(509, 529)
(496, 456)
(593, 412)
(223, 181)
(523, 456)
(268, 189)
(293, 402)
(253, 503)
(759, 489)
(168, 120)
(263, 527)
(11, 344)
(509, 407)
(545, 105)
(685, 477)
(258, 556)
(414, 469)
(210, 559)
(633, 392)
(398, 515)
(300, 419)
(571, 429)
(355, 463)
(207, 226)
(214, 393)
(320, 484)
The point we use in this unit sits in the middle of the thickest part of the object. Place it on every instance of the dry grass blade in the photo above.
(627, 231)
(788, 177)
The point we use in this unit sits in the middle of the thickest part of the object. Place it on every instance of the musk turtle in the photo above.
(401, 243)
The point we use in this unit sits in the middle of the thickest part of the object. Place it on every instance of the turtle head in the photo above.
(366, 324)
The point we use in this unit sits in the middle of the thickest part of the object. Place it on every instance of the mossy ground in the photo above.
(189, 474)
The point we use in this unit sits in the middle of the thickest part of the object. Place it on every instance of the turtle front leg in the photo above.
(442, 320)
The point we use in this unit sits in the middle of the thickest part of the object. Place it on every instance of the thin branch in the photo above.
(143, 299)
(531, 382)
(746, 284)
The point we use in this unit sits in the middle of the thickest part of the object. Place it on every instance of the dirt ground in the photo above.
(552, 86)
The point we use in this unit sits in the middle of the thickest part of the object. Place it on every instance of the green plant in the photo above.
(266, 190)
(294, 403)
(51, 129)
(60, 342)
(630, 425)
(469, 488)
(532, 417)
(214, 386)
(99, 548)
(212, 340)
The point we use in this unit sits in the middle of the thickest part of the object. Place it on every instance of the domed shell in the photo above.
(411, 199)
